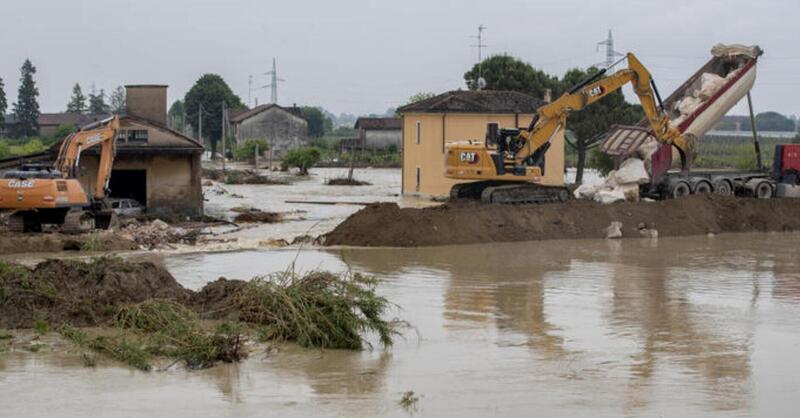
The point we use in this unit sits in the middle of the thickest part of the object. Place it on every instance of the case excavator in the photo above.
(43, 194)
(507, 166)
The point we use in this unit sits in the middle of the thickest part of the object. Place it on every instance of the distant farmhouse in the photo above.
(379, 134)
(49, 122)
(155, 165)
(284, 128)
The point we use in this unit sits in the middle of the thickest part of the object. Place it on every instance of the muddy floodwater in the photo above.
(701, 326)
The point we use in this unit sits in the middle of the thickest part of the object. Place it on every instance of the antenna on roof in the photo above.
(481, 82)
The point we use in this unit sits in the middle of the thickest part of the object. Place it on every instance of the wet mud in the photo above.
(388, 225)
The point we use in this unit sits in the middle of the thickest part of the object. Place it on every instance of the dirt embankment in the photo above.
(388, 225)
(15, 243)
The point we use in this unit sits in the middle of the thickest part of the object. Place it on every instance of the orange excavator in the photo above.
(43, 194)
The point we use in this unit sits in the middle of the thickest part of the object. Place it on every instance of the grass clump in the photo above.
(41, 326)
(319, 309)
(6, 335)
(162, 328)
(409, 400)
(93, 243)
(174, 331)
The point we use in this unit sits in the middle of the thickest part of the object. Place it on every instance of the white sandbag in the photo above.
(647, 149)
(586, 191)
(631, 171)
(688, 105)
(710, 84)
(606, 196)
(630, 191)
(611, 179)
(613, 230)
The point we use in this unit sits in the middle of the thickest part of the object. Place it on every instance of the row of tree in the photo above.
(95, 103)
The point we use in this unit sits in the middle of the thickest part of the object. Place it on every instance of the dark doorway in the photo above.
(131, 184)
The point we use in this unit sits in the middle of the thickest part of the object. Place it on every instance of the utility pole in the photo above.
(200, 125)
(481, 83)
(273, 85)
(249, 90)
(224, 151)
(611, 53)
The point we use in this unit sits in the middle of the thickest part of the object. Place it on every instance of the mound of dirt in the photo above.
(69, 291)
(13, 243)
(386, 224)
(258, 216)
(346, 181)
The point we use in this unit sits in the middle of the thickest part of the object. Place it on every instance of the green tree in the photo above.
(774, 121)
(247, 149)
(177, 116)
(504, 72)
(26, 109)
(318, 124)
(63, 130)
(3, 105)
(589, 125)
(211, 92)
(4, 150)
(416, 98)
(77, 103)
(302, 158)
(117, 101)
(97, 103)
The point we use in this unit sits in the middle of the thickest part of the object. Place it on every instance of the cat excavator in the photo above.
(43, 194)
(508, 164)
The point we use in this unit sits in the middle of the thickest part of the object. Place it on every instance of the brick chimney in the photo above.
(147, 101)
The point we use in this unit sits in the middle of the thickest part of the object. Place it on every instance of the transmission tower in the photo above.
(481, 83)
(611, 53)
(273, 85)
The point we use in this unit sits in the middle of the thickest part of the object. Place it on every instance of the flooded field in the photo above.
(694, 326)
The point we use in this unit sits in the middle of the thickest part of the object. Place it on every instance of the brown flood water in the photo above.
(675, 327)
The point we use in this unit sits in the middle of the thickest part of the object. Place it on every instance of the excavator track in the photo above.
(16, 222)
(508, 192)
(77, 221)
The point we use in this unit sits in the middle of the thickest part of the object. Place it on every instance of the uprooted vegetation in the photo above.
(254, 215)
(145, 315)
(242, 177)
(346, 181)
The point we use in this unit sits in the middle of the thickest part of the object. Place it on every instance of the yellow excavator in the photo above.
(43, 194)
(508, 164)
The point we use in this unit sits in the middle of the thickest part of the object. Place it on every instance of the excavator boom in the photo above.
(515, 155)
(53, 195)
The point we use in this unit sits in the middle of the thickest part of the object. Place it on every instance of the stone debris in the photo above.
(620, 185)
(614, 230)
(158, 234)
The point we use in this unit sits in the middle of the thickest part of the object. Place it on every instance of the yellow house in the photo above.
(460, 115)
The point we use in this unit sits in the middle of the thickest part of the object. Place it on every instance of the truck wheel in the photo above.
(763, 190)
(679, 188)
(723, 187)
(701, 186)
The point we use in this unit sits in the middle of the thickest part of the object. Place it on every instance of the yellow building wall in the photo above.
(426, 158)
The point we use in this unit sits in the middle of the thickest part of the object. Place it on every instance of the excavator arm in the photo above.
(102, 133)
(530, 144)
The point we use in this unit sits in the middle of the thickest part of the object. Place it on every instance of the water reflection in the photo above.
(678, 306)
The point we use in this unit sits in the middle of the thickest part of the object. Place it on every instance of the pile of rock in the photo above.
(157, 234)
(621, 184)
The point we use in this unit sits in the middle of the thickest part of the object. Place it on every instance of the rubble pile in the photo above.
(620, 185)
(241, 177)
(158, 234)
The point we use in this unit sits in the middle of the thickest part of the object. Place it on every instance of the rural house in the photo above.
(49, 122)
(155, 165)
(378, 133)
(284, 128)
(427, 125)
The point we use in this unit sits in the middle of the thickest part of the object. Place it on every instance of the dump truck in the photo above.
(694, 108)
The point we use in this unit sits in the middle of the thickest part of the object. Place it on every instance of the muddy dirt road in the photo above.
(387, 225)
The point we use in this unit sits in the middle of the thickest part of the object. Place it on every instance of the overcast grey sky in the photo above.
(365, 56)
